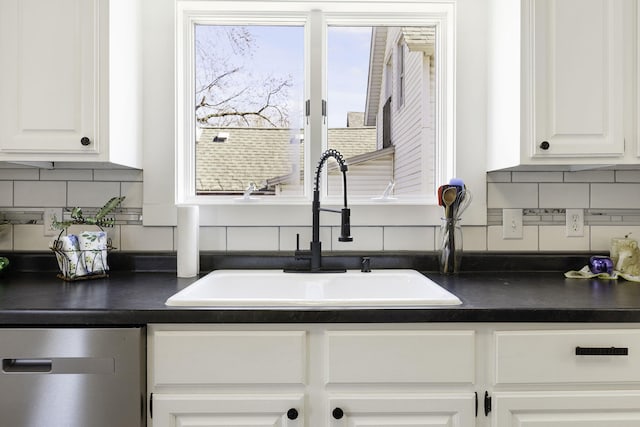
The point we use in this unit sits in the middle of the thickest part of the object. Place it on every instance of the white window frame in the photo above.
(225, 211)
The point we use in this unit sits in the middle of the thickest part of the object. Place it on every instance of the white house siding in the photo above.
(367, 179)
(412, 129)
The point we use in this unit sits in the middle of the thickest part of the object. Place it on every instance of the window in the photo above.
(248, 88)
(264, 89)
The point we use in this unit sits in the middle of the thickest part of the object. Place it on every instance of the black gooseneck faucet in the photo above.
(315, 252)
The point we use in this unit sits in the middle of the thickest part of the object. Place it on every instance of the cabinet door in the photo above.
(566, 409)
(576, 78)
(190, 410)
(48, 67)
(401, 410)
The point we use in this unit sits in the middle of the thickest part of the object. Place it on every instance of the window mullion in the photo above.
(316, 129)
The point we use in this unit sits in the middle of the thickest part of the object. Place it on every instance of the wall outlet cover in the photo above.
(575, 223)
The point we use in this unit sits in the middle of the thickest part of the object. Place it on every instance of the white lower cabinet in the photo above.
(441, 409)
(199, 409)
(394, 375)
(546, 377)
(567, 409)
(310, 375)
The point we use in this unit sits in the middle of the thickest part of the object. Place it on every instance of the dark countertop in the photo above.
(137, 298)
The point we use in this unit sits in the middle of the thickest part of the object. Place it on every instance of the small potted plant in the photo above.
(84, 256)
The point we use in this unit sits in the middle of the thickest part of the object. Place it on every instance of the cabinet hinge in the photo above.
(487, 403)
(151, 405)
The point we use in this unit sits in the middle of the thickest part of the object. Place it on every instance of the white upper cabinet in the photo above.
(559, 83)
(577, 78)
(70, 81)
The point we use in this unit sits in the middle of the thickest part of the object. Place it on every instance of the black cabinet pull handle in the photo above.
(487, 403)
(545, 145)
(292, 413)
(85, 141)
(602, 351)
(337, 413)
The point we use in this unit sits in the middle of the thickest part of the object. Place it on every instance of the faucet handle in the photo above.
(345, 229)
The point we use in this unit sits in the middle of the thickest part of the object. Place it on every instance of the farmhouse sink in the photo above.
(275, 288)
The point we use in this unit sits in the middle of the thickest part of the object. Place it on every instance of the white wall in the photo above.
(24, 192)
(159, 197)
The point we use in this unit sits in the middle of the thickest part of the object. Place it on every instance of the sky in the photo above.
(347, 73)
(280, 51)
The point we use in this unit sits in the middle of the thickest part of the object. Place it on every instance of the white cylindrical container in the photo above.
(188, 246)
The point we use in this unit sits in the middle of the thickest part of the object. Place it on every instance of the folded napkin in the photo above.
(585, 273)
(93, 245)
(67, 250)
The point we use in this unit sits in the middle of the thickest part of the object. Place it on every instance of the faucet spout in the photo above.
(314, 255)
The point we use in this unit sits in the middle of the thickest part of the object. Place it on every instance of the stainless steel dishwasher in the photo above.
(72, 377)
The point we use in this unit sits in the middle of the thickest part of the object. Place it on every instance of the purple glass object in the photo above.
(600, 264)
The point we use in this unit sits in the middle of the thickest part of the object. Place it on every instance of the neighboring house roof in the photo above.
(263, 155)
(420, 39)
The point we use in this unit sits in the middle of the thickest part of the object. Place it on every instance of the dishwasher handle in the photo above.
(26, 365)
(59, 365)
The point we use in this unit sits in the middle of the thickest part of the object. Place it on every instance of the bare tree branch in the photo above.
(227, 92)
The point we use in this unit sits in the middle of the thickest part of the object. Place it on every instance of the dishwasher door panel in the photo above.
(72, 377)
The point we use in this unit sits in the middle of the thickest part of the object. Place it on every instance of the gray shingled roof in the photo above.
(261, 154)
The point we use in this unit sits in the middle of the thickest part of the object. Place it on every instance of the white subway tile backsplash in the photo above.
(474, 238)
(536, 177)
(499, 177)
(364, 239)
(554, 238)
(19, 174)
(508, 195)
(6, 193)
(409, 238)
(619, 196)
(589, 176)
(628, 176)
(611, 200)
(66, 174)
(151, 239)
(564, 195)
(529, 241)
(133, 193)
(117, 175)
(252, 239)
(601, 235)
(288, 237)
(6, 238)
(30, 237)
(91, 193)
(40, 193)
(213, 238)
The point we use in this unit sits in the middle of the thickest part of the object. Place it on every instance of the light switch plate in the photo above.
(48, 217)
(512, 223)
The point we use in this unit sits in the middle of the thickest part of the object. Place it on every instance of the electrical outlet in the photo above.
(575, 223)
(512, 223)
(48, 217)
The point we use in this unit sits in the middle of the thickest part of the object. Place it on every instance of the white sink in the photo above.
(275, 288)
